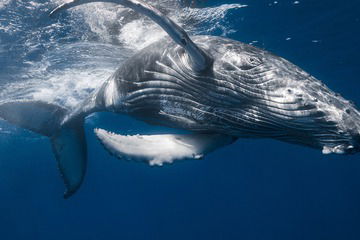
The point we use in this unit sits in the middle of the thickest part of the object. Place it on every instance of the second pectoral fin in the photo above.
(164, 148)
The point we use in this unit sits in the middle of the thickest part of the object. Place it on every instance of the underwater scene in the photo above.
(257, 183)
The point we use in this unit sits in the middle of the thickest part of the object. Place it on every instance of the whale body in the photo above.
(216, 88)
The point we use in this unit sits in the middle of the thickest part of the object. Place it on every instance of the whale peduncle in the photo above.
(199, 59)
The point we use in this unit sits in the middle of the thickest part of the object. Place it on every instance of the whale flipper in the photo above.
(68, 140)
(160, 149)
(199, 59)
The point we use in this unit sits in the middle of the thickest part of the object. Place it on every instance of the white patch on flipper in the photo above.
(160, 149)
(326, 150)
(340, 149)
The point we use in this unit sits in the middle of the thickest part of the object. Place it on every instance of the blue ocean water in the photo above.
(253, 189)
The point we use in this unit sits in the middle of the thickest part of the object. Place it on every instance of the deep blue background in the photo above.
(253, 189)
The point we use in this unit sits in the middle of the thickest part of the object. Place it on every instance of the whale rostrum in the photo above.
(216, 88)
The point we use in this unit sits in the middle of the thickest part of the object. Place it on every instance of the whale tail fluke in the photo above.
(67, 139)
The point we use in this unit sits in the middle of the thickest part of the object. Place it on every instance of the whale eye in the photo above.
(252, 59)
(249, 62)
(234, 61)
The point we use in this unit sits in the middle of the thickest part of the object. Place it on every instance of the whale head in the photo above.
(271, 97)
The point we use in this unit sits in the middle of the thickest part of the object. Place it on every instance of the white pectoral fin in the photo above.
(160, 149)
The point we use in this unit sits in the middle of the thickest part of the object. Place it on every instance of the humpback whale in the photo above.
(217, 89)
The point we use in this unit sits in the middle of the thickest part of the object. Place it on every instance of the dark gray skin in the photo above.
(247, 92)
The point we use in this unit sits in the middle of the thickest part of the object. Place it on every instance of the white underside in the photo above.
(160, 149)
